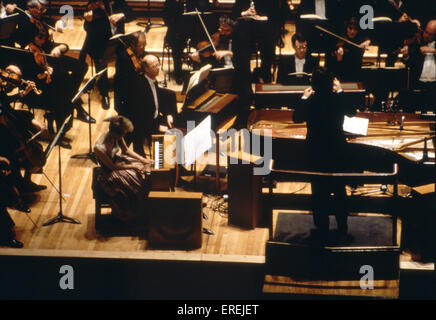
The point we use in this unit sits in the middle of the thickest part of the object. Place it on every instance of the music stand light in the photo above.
(60, 217)
(87, 88)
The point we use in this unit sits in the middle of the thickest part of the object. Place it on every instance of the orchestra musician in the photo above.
(222, 40)
(8, 197)
(32, 27)
(157, 109)
(128, 72)
(345, 59)
(180, 28)
(421, 58)
(123, 175)
(300, 62)
(18, 129)
(102, 20)
(323, 108)
(257, 22)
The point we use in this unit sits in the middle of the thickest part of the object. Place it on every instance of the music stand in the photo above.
(60, 217)
(87, 88)
(8, 25)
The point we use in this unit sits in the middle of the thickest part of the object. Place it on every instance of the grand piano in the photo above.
(404, 139)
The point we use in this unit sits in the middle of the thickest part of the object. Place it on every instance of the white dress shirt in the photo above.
(320, 8)
(153, 89)
(429, 69)
(299, 65)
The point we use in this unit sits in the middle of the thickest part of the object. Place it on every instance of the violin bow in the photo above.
(24, 50)
(205, 29)
(337, 36)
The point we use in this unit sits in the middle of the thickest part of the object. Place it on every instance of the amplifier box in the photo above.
(175, 219)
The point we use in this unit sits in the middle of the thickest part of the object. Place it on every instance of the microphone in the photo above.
(402, 123)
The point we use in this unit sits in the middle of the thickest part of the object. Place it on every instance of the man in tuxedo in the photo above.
(157, 107)
(300, 62)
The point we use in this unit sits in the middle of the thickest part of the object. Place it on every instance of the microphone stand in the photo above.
(87, 88)
(148, 25)
(60, 217)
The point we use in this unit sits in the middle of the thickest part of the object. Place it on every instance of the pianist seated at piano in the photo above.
(123, 172)
(345, 58)
(296, 68)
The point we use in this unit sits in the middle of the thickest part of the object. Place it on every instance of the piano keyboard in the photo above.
(205, 106)
(158, 155)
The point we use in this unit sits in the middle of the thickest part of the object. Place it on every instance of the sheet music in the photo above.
(356, 125)
(198, 76)
(198, 141)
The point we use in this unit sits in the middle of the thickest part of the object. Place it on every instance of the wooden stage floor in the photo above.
(63, 240)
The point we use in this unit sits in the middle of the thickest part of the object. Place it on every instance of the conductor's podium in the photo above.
(364, 263)
(298, 264)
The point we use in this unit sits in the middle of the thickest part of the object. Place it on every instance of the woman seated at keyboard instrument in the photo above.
(125, 174)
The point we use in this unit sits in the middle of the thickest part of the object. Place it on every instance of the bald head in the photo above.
(430, 31)
(151, 65)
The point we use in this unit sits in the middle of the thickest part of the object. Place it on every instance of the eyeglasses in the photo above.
(301, 47)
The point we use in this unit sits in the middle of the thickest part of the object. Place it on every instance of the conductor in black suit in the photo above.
(156, 109)
(322, 107)
(300, 62)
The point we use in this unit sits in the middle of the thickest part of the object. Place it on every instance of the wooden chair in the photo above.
(102, 200)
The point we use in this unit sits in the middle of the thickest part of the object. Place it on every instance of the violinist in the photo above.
(345, 59)
(128, 73)
(35, 34)
(257, 22)
(421, 58)
(222, 41)
(102, 20)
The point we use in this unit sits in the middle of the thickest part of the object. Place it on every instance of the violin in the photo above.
(41, 60)
(133, 57)
(16, 80)
(135, 60)
(36, 22)
(205, 48)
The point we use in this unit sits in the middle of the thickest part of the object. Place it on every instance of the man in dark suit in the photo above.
(300, 62)
(155, 109)
(8, 197)
(323, 108)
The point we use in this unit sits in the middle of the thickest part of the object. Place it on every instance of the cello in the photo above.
(28, 152)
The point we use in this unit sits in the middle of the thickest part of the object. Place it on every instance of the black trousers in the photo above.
(324, 204)
(6, 225)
